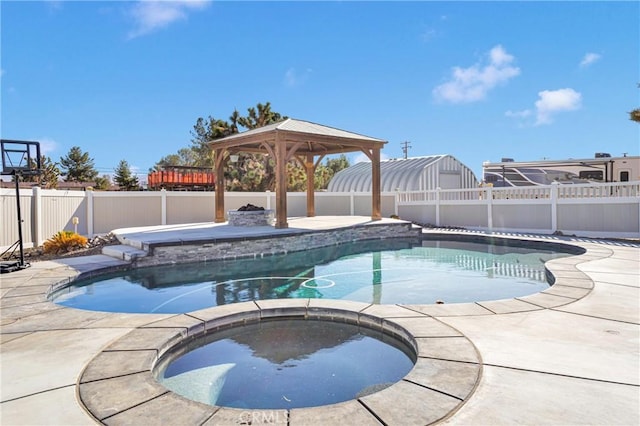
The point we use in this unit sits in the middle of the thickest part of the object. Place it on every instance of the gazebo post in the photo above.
(219, 164)
(375, 184)
(311, 202)
(281, 182)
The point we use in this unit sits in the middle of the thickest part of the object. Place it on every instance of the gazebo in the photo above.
(306, 142)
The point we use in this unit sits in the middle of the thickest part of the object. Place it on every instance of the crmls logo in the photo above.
(268, 417)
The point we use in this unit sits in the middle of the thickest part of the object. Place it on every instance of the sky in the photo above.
(127, 80)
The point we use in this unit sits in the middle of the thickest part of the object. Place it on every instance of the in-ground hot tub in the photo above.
(122, 383)
(287, 363)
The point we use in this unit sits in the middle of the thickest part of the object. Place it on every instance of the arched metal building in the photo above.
(411, 174)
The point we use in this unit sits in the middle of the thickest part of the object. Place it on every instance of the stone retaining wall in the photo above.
(268, 246)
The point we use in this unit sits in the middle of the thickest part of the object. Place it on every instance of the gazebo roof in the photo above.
(313, 138)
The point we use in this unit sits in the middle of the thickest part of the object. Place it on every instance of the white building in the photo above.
(411, 174)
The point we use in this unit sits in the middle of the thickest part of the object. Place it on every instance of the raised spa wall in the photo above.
(251, 217)
(268, 245)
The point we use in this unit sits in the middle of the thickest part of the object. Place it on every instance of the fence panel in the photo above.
(189, 207)
(523, 216)
(615, 218)
(9, 217)
(113, 210)
(332, 204)
(57, 210)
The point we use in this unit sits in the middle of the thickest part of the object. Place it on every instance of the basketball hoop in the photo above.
(19, 158)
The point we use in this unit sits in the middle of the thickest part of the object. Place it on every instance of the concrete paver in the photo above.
(555, 342)
(42, 361)
(344, 413)
(611, 301)
(54, 407)
(108, 397)
(457, 379)
(508, 397)
(158, 410)
(425, 406)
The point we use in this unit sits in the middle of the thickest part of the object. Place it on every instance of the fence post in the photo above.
(352, 207)
(36, 216)
(438, 206)
(554, 206)
(395, 200)
(489, 197)
(268, 193)
(89, 195)
(163, 206)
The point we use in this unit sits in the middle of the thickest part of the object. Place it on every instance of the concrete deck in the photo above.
(569, 355)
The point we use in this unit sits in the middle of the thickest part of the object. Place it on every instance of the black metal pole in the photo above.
(17, 179)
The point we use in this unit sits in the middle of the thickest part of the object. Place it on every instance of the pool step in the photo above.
(123, 252)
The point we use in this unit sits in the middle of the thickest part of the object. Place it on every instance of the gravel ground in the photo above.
(94, 246)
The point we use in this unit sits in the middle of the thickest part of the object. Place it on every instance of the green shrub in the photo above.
(63, 242)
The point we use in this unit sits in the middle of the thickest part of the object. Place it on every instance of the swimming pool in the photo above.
(402, 271)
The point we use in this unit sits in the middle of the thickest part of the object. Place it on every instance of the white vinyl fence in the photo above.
(46, 212)
(595, 210)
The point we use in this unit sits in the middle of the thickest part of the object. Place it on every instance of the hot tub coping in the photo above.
(127, 366)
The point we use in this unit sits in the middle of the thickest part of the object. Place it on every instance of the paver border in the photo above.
(119, 383)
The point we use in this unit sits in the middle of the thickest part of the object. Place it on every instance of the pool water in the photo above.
(285, 364)
(392, 271)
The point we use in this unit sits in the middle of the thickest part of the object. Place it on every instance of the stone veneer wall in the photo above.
(267, 246)
(251, 218)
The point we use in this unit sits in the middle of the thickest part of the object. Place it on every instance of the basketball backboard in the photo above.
(20, 157)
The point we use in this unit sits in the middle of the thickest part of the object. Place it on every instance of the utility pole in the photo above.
(405, 148)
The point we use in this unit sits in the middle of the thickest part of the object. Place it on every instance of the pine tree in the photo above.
(78, 166)
(124, 178)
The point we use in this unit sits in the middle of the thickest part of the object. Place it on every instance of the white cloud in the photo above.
(47, 146)
(430, 32)
(428, 35)
(588, 59)
(293, 78)
(551, 102)
(150, 16)
(473, 83)
(519, 114)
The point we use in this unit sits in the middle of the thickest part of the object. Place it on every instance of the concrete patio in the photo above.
(567, 356)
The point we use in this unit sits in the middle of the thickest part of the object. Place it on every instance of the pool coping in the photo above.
(390, 406)
(447, 386)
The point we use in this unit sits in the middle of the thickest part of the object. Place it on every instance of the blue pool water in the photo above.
(286, 364)
(389, 271)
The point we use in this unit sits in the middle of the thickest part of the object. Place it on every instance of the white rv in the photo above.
(602, 168)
